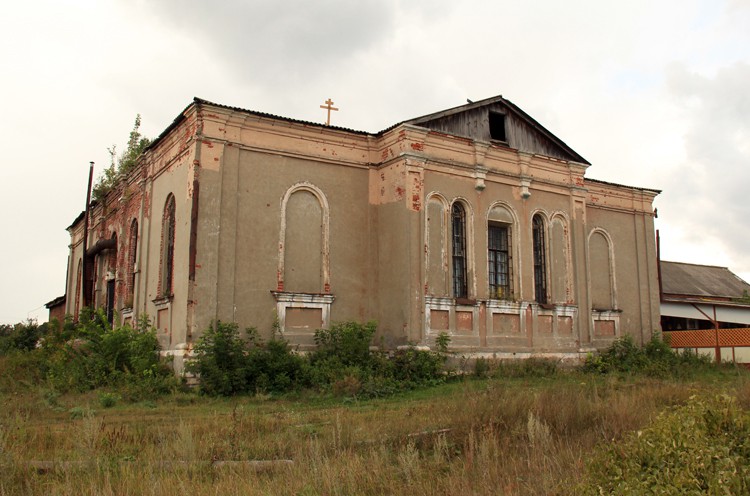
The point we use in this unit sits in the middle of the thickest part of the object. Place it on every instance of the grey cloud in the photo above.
(283, 43)
(712, 190)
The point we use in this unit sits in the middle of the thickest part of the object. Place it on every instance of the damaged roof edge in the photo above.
(57, 301)
(200, 101)
(534, 123)
(176, 122)
(414, 121)
(638, 188)
(77, 219)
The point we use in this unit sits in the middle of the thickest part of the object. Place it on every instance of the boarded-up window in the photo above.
(303, 319)
(604, 328)
(303, 244)
(600, 272)
(436, 273)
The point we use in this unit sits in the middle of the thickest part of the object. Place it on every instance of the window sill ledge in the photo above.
(163, 301)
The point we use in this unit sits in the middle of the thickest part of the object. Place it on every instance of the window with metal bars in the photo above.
(540, 256)
(458, 216)
(499, 260)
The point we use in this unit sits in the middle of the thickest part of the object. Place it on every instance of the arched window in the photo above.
(110, 278)
(540, 260)
(167, 257)
(133, 247)
(500, 222)
(458, 224)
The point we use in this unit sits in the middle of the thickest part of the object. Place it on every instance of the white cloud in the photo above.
(707, 194)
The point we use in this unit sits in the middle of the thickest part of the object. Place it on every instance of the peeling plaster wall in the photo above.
(635, 279)
(141, 196)
(376, 213)
(240, 221)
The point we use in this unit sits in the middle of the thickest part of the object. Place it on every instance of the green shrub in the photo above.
(227, 364)
(108, 400)
(342, 364)
(274, 367)
(21, 371)
(442, 341)
(221, 360)
(20, 337)
(702, 447)
(346, 342)
(415, 367)
(96, 355)
(655, 359)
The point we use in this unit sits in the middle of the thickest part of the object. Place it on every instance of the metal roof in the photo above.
(598, 181)
(705, 281)
(56, 302)
(200, 101)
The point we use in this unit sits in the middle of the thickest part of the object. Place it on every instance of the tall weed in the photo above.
(702, 447)
(655, 359)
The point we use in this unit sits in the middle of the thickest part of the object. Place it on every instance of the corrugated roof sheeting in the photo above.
(701, 280)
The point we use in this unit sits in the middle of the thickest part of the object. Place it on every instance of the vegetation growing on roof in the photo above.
(745, 298)
(122, 166)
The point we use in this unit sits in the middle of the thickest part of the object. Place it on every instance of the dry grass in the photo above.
(520, 436)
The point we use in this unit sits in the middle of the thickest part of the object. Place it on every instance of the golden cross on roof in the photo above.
(329, 106)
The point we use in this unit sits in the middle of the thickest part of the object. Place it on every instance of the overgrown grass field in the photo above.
(90, 409)
(497, 435)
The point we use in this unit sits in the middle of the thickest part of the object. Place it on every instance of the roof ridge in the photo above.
(696, 265)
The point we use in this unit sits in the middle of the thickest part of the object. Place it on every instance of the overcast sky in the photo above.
(652, 93)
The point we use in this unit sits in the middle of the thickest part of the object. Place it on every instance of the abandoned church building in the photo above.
(475, 221)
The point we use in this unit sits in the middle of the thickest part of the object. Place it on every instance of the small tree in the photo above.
(137, 144)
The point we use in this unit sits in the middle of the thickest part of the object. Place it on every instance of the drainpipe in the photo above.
(658, 266)
(84, 276)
